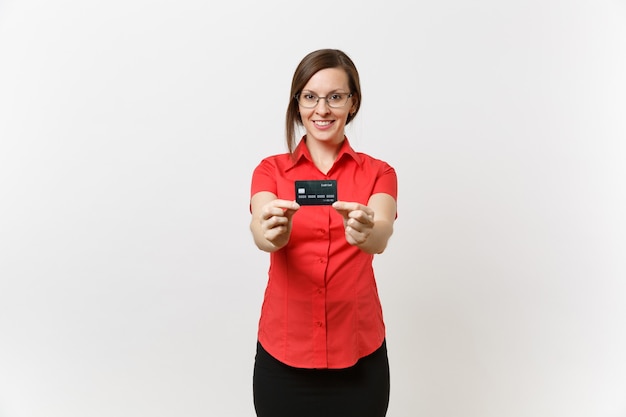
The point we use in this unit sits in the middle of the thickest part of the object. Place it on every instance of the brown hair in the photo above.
(311, 64)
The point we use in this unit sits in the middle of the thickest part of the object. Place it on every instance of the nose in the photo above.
(322, 106)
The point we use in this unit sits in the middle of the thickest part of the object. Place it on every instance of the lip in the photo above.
(328, 124)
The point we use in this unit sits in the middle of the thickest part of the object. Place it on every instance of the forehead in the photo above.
(328, 79)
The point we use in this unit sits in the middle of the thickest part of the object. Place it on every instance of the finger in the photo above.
(357, 225)
(362, 216)
(343, 208)
(355, 237)
(280, 208)
(269, 212)
(364, 210)
(285, 204)
(347, 207)
(289, 213)
(275, 221)
(275, 232)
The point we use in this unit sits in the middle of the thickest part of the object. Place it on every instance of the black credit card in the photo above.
(316, 192)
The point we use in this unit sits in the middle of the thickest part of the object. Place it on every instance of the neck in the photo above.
(323, 154)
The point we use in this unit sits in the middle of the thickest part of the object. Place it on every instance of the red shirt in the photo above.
(321, 307)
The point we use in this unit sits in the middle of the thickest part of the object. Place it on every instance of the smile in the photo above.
(322, 122)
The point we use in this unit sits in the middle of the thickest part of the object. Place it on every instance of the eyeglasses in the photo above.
(335, 100)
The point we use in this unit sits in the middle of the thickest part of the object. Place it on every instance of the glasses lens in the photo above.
(307, 100)
(337, 99)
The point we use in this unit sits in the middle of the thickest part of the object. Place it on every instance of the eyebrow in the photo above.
(330, 92)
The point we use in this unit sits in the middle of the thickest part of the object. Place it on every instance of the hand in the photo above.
(275, 219)
(358, 221)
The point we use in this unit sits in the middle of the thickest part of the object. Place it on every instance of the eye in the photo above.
(336, 97)
(308, 96)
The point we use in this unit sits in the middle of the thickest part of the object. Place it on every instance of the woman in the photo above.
(321, 342)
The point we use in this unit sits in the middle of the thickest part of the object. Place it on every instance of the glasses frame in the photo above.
(297, 97)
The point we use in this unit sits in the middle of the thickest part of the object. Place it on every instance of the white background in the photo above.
(129, 283)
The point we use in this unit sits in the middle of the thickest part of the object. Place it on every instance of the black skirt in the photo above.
(284, 391)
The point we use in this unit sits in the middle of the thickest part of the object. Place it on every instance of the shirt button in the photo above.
(322, 260)
(319, 290)
(319, 323)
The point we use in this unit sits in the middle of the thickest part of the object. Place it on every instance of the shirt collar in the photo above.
(302, 152)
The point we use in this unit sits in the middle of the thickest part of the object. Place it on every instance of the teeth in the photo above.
(322, 123)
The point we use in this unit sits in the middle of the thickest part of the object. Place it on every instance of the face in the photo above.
(324, 123)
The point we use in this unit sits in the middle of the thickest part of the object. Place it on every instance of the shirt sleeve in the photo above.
(387, 181)
(264, 178)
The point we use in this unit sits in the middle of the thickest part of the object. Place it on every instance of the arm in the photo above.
(369, 227)
(271, 220)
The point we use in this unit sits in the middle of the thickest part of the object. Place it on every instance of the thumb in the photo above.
(289, 213)
(341, 209)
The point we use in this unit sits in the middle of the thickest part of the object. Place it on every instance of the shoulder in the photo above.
(383, 174)
(276, 160)
(273, 163)
(373, 162)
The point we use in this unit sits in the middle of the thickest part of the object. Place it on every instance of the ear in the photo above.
(353, 108)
